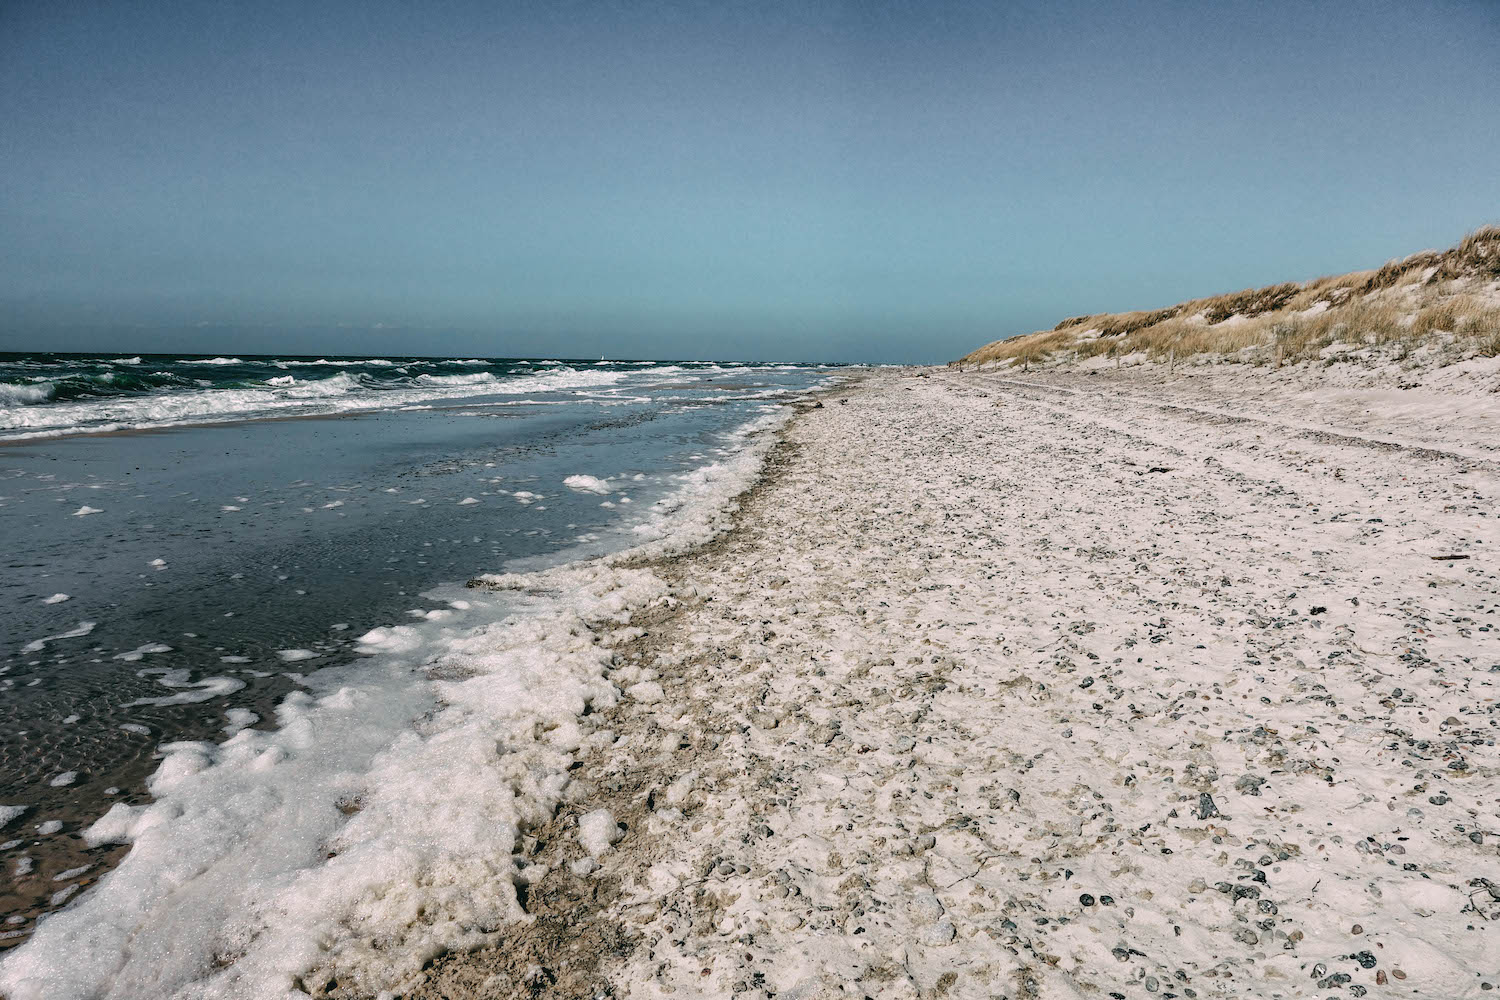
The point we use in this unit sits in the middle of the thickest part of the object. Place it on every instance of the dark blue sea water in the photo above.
(175, 548)
(47, 395)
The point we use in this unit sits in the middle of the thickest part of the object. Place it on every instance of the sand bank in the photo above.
(1053, 686)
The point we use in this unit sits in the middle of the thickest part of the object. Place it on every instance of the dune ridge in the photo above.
(1443, 305)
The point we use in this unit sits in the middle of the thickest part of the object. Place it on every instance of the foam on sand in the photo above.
(598, 832)
(377, 826)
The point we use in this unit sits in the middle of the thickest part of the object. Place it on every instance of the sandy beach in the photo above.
(1080, 681)
(1052, 685)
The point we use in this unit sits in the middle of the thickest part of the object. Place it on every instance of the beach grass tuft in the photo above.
(1448, 298)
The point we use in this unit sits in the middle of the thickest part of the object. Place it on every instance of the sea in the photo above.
(190, 543)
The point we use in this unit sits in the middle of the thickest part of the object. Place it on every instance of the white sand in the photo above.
(1059, 686)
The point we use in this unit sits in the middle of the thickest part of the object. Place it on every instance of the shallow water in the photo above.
(219, 563)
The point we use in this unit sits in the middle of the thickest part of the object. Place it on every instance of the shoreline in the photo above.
(572, 933)
(485, 677)
(886, 740)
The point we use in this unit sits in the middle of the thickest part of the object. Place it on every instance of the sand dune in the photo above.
(1442, 305)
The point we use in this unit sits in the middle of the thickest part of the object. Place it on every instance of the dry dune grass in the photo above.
(1450, 296)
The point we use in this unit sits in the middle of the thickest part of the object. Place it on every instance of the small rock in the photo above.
(925, 908)
(678, 791)
(1249, 784)
(940, 933)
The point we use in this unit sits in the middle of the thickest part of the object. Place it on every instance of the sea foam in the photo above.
(376, 826)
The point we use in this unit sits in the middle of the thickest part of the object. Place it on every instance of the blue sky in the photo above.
(830, 181)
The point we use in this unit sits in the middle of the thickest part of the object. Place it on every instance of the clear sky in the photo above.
(832, 181)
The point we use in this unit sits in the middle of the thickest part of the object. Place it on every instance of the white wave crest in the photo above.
(476, 379)
(25, 395)
(341, 393)
(325, 363)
